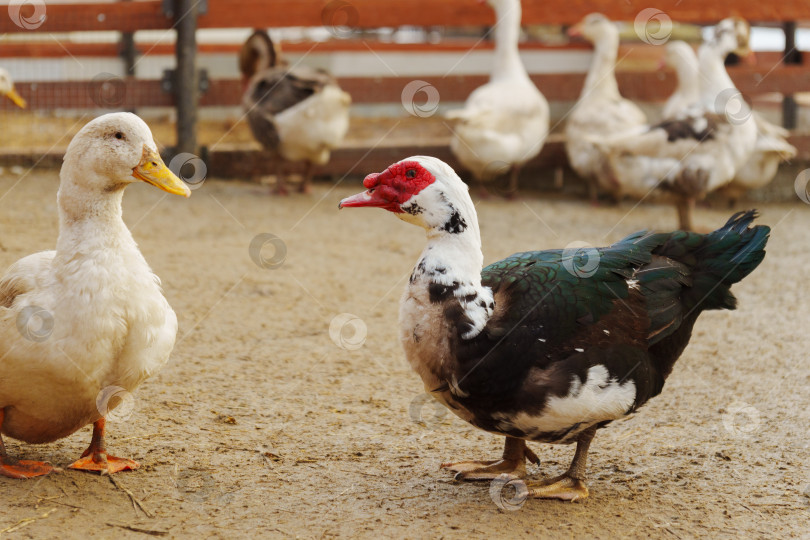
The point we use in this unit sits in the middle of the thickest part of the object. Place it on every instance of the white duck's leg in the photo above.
(571, 485)
(512, 190)
(305, 186)
(14, 468)
(686, 207)
(281, 180)
(513, 462)
(95, 458)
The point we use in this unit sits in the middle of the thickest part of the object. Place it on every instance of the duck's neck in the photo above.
(450, 267)
(601, 79)
(90, 220)
(507, 35)
(714, 78)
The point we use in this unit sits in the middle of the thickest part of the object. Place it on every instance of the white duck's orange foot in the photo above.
(25, 469)
(564, 488)
(104, 464)
(486, 470)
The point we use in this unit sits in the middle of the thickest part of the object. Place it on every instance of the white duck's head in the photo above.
(421, 190)
(596, 28)
(7, 89)
(731, 35)
(113, 151)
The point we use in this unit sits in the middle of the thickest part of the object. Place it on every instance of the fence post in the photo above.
(790, 110)
(186, 84)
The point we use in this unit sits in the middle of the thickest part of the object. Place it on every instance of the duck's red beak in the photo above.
(366, 198)
(575, 31)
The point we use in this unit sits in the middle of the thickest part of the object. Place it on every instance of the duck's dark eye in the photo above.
(411, 173)
(119, 135)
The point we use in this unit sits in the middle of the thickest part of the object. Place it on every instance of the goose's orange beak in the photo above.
(153, 171)
(16, 99)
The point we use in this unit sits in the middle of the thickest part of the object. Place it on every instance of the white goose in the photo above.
(504, 123)
(701, 152)
(771, 147)
(601, 109)
(298, 114)
(7, 89)
(88, 321)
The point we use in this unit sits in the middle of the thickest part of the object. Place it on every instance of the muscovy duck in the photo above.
(601, 109)
(504, 123)
(296, 113)
(86, 322)
(548, 346)
(7, 89)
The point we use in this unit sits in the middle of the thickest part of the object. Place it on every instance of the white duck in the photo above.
(700, 152)
(88, 321)
(680, 56)
(504, 123)
(601, 109)
(7, 89)
(771, 147)
(298, 114)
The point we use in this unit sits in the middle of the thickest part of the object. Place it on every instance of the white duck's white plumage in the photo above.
(601, 109)
(771, 144)
(504, 123)
(681, 57)
(91, 314)
(700, 152)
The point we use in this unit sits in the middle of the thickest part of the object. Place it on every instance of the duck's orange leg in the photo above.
(14, 468)
(96, 459)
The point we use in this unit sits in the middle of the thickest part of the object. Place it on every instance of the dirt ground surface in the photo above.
(275, 419)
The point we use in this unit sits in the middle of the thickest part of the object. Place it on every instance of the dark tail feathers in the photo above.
(718, 259)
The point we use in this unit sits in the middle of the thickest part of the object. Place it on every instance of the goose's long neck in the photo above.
(507, 36)
(714, 77)
(601, 79)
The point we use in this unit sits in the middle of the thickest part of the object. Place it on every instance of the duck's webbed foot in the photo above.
(18, 468)
(513, 463)
(571, 485)
(96, 459)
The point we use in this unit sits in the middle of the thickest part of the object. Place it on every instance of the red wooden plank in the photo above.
(641, 86)
(145, 15)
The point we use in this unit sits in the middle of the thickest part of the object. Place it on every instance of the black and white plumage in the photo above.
(296, 113)
(548, 346)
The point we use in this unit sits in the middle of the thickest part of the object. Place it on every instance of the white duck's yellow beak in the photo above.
(16, 98)
(152, 170)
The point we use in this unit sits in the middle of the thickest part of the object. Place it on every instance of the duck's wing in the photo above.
(24, 276)
(275, 90)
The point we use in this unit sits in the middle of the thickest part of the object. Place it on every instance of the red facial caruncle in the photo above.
(392, 187)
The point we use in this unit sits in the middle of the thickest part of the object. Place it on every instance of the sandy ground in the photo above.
(265, 425)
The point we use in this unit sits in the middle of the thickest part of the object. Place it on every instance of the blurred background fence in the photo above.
(175, 63)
